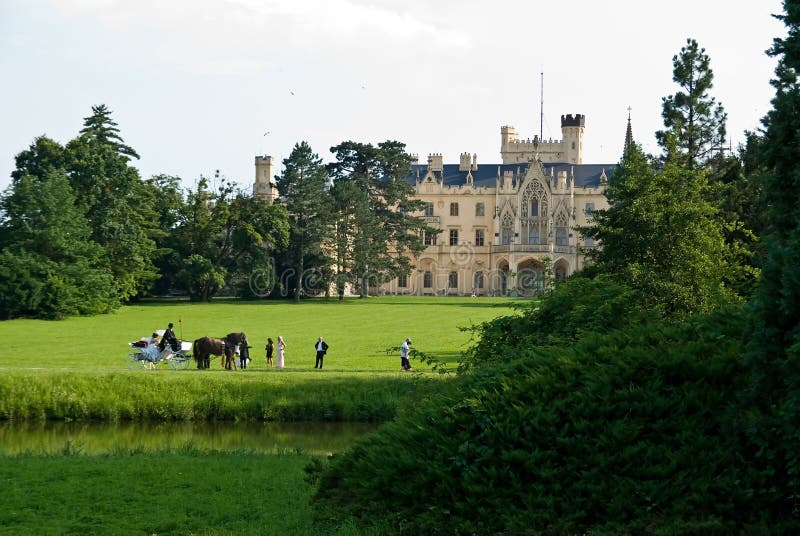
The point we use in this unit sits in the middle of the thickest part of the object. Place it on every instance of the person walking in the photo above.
(279, 363)
(322, 348)
(405, 364)
(270, 348)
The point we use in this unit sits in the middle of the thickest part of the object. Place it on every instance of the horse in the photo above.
(232, 340)
(205, 347)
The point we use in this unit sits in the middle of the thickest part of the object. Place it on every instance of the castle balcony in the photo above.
(533, 248)
(432, 220)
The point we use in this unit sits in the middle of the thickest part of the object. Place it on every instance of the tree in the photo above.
(49, 266)
(100, 128)
(375, 231)
(224, 236)
(659, 235)
(694, 121)
(303, 192)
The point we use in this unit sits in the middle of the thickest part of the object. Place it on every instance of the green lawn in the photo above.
(358, 331)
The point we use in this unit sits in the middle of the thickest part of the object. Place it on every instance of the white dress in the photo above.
(279, 361)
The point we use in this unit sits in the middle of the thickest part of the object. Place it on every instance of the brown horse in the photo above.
(204, 347)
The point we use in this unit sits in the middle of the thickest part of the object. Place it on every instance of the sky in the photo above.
(198, 86)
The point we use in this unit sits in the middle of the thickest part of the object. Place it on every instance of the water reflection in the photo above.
(101, 438)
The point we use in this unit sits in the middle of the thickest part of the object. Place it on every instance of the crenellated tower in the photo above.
(567, 150)
(264, 188)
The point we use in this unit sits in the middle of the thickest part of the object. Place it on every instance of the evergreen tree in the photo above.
(303, 192)
(694, 121)
(100, 128)
(375, 229)
(659, 235)
(49, 266)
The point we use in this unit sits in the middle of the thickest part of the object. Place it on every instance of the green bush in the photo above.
(636, 431)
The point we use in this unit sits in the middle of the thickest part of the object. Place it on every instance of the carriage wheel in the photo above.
(179, 361)
(136, 360)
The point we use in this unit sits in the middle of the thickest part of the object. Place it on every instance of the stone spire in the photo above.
(628, 133)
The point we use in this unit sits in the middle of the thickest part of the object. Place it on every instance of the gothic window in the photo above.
(479, 210)
(427, 279)
(561, 273)
(453, 237)
(533, 235)
(477, 281)
(534, 201)
(561, 229)
(429, 209)
(507, 229)
(479, 237)
(588, 209)
(454, 209)
(452, 280)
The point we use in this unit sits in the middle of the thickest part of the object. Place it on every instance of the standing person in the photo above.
(281, 348)
(270, 348)
(244, 355)
(405, 364)
(322, 348)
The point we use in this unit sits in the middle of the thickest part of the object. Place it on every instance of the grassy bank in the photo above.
(170, 492)
(209, 396)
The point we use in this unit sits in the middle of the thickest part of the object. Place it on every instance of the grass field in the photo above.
(358, 331)
(75, 370)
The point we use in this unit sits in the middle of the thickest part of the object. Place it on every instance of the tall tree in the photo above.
(111, 193)
(302, 187)
(693, 120)
(659, 235)
(49, 266)
(376, 231)
(777, 304)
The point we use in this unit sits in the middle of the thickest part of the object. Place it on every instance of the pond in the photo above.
(99, 438)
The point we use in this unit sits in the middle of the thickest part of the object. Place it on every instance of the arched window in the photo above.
(534, 201)
(427, 279)
(477, 281)
(452, 280)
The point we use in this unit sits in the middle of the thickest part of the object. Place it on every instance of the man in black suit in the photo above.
(321, 347)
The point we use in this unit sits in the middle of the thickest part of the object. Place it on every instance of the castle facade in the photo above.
(501, 226)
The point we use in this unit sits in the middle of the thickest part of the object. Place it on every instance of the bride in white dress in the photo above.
(281, 345)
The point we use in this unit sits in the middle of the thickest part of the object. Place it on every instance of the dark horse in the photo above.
(204, 347)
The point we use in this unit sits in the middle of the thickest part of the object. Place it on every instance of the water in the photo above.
(100, 438)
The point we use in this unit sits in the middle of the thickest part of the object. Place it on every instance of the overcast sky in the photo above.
(201, 85)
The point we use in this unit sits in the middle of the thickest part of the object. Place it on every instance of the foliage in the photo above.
(660, 236)
(303, 192)
(576, 307)
(224, 236)
(694, 121)
(375, 229)
(776, 338)
(49, 266)
(635, 431)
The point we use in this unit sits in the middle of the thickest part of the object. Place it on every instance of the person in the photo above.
(244, 355)
(270, 348)
(153, 340)
(405, 364)
(281, 348)
(322, 348)
(169, 338)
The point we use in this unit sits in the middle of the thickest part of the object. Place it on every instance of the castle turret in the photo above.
(435, 162)
(264, 188)
(572, 127)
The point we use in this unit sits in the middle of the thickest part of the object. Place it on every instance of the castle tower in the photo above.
(572, 127)
(264, 188)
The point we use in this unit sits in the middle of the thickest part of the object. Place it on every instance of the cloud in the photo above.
(232, 36)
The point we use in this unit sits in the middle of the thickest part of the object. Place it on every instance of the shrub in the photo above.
(635, 431)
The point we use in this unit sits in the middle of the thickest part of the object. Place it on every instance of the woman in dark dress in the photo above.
(270, 347)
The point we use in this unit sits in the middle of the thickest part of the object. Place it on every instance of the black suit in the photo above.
(320, 353)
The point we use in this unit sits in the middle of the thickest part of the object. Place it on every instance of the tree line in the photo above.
(82, 233)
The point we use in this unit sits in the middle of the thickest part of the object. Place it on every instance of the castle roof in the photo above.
(586, 175)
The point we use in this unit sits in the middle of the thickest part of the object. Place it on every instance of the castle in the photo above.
(501, 225)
